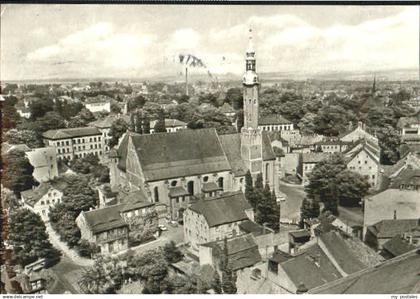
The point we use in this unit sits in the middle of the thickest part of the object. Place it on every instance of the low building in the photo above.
(395, 276)
(75, 142)
(112, 227)
(44, 161)
(411, 134)
(171, 125)
(40, 199)
(215, 219)
(275, 122)
(398, 245)
(391, 204)
(98, 104)
(308, 162)
(331, 257)
(242, 252)
(383, 231)
(331, 146)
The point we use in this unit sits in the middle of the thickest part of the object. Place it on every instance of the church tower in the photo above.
(251, 136)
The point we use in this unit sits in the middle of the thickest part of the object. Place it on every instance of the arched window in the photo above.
(220, 182)
(190, 187)
(173, 183)
(156, 191)
(266, 171)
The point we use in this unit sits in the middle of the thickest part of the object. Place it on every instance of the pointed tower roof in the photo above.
(250, 43)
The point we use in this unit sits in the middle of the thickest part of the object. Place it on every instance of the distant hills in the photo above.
(384, 75)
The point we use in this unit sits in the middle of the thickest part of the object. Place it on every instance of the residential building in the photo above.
(331, 146)
(275, 122)
(360, 132)
(75, 142)
(308, 162)
(44, 161)
(364, 158)
(227, 110)
(395, 276)
(111, 227)
(104, 126)
(242, 252)
(98, 104)
(40, 199)
(171, 125)
(399, 244)
(411, 134)
(383, 231)
(215, 219)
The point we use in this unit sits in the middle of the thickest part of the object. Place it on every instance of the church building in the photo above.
(171, 168)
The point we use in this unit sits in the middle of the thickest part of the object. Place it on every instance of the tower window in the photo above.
(255, 101)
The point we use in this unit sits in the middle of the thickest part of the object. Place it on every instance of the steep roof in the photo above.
(273, 119)
(253, 228)
(71, 133)
(104, 219)
(280, 256)
(242, 251)
(398, 245)
(314, 157)
(228, 208)
(32, 196)
(169, 123)
(395, 276)
(39, 156)
(231, 144)
(226, 108)
(391, 227)
(184, 153)
(312, 268)
(340, 251)
(407, 176)
(6, 148)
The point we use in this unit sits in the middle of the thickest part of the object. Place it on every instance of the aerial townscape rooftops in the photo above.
(162, 162)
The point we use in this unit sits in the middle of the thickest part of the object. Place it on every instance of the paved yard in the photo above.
(67, 274)
(290, 209)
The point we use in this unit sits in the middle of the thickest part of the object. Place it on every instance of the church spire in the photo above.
(250, 77)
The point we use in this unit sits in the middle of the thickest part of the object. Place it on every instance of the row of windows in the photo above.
(84, 140)
(53, 201)
(277, 128)
(92, 146)
(96, 153)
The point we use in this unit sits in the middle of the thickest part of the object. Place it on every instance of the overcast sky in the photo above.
(87, 41)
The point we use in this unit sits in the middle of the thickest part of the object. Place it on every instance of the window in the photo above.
(190, 187)
(67, 142)
(177, 200)
(173, 183)
(220, 182)
(156, 193)
(42, 202)
(205, 179)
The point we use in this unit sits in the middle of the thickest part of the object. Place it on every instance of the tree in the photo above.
(78, 196)
(322, 181)
(28, 137)
(17, 172)
(136, 103)
(234, 96)
(351, 187)
(146, 124)
(268, 211)
(172, 253)
(216, 284)
(308, 210)
(389, 142)
(27, 234)
(40, 107)
(228, 277)
(118, 128)
(333, 120)
(115, 108)
(249, 190)
(160, 126)
(10, 116)
(307, 124)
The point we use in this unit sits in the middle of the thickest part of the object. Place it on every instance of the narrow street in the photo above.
(57, 243)
(290, 208)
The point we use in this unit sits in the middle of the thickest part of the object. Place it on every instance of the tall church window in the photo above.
(156, 191)
(266, 171)
(220, 182)
(190, 187)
